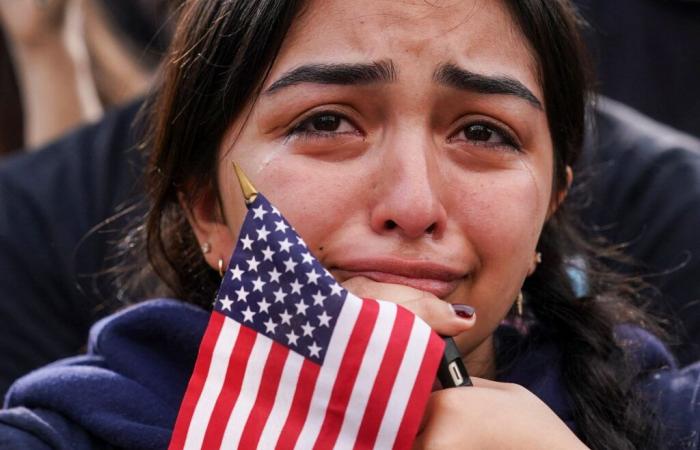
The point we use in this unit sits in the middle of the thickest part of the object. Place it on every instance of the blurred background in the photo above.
(66, 62)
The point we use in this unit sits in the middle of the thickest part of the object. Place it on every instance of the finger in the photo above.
(437, 313)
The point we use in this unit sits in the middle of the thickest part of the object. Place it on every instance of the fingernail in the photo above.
(464, 311)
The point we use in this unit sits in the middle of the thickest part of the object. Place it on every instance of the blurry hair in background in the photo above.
(125, 40)
(144, 25)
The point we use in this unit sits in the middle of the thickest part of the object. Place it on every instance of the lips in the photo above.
(437, 279)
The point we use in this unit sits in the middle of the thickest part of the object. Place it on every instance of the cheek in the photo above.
(501, 217)
(313, 195)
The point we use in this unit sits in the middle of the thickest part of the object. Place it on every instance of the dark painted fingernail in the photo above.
(464, 311)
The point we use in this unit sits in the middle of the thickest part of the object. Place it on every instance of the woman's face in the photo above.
(407, 143)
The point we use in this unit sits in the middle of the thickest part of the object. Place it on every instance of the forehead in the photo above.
(479, 35)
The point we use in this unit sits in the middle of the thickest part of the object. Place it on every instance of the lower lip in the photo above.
(438, 288)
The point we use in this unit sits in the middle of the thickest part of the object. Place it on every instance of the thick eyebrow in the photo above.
(458, 78)
(341, 74)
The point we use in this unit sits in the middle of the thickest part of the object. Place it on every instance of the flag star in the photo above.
(258, 285)
(285, 317)
(336, 289)
(274, 275)
(248, 314)
(314, 350)
(247, 243)
(259, 212)
(312, 277)
(308, 329)
(279, 295)
(236, 273)
(301, 307)
(262, 233)
(270, 325)
(281, 226)
(267, 254)
(264, 306)
(285, 245)
(318, 298)
(301, 242)
(253, 264)
(242, 294)
(307, 258)
(296, 287)
(226, 303)
(324, 320)
(292, 338)
(289, 265)
(276, 211)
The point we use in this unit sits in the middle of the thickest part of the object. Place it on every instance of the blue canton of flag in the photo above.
(276, 287)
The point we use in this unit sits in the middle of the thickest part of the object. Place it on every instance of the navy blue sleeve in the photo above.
(50, 291)
(21, 428)
(676, 394)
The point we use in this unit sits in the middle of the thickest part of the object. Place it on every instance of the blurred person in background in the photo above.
(57, 205)
(75, 58)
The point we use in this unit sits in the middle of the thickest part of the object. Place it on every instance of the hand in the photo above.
(437, 313)
(491, 415)
(30, 23)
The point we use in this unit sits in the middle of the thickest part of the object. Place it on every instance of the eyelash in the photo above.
(298, 131)
(510, 142)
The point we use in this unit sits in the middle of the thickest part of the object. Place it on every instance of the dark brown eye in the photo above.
(478, 133)
(327, 122)
(486, 135)
(324, 124)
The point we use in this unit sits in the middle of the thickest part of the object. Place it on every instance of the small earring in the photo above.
(206, 247)
(519, 304)
(538, 257)
(221, 267)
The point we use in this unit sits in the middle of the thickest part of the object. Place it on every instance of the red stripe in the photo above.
(196, 383)
(266, 396)
(347, 374)
(300, 405)
(420, 393)
(231, 388)
(379, 397)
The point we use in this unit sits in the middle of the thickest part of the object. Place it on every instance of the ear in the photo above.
(561, 195)
(206, 218)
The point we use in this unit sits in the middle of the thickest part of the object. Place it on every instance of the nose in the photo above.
(408, 195)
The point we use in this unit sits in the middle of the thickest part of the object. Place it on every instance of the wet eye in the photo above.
(487, 135)
(324, 124)
(479, 133)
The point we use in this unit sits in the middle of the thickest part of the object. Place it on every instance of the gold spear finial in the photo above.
(249, 191)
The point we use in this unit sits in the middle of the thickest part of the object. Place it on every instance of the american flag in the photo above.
(290, 359)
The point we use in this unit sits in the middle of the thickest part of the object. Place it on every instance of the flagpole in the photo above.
(249, 191)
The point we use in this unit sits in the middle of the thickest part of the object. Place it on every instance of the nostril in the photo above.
(431, 228)
(389, 224)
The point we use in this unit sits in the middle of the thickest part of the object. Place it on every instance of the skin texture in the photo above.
(399, 183)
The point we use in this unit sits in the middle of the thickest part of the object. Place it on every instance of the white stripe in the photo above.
(283, 400)
(212, 386)
(249, 391)
(371, 363)
(403, 385)
(329, 370)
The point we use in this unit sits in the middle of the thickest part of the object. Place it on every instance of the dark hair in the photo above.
(144, 24)
(221, 53)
